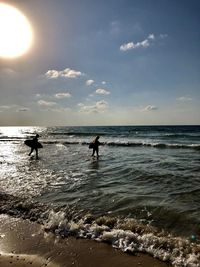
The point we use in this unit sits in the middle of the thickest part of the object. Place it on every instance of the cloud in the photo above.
(150, 108)
(66, 73)
(163, 35)
(131, 45)
(98, 107)
(8, 71)
(11, 107)
(103, 82)
(151, 36)
(23, 109)
(46, 103)
(59, 110)
(80, 104)
(101, 91)
(62, 95)
(143, 44)
(184, 99)
(89, 82)
(5, 107)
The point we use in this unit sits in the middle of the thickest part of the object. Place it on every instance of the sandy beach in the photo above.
(24, 243)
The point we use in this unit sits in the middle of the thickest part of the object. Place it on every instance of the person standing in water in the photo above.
(95, 146)
(35, 145)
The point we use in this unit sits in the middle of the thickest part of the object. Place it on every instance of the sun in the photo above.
(16, 33)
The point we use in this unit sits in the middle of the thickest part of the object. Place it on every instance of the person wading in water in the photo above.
(95, 145)
(35, 146)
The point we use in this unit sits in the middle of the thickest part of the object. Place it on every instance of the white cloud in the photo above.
(66, 73)
(98, 107)
(127, 46)
(101, 91)
(62, 95)
(151, 36)
(80, 104)
(89, 82)
(184, 99)
(143, 44)
(46, 103)
(102, 104)
(150, 108)
(131, 45)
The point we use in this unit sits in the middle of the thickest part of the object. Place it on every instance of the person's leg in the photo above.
(93, 152)
(36, 151)
(97, 152)
(31, 152)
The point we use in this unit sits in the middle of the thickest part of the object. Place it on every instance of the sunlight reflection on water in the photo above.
(20, 132)
(12, 131)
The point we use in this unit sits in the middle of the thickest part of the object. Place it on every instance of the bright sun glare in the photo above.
(15, 32)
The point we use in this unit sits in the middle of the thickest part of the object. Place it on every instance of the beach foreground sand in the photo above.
(24, 243)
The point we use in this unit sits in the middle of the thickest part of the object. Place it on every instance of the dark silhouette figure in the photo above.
(95, 146)
(35, 145)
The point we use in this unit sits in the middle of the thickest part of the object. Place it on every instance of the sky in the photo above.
(105, 62)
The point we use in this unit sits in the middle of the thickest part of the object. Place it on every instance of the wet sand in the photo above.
(23, 244)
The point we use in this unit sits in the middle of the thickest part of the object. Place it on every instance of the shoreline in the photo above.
(24, 243)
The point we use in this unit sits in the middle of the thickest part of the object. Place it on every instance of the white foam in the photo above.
(179, 252)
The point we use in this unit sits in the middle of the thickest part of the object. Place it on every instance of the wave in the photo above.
(128, 134)
(156, 145)
(115, 143)
(126, 234)
(181, 135)
(131, 144)
(7, 138)
(77, 133)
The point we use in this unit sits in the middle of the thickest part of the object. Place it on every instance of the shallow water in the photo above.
(151, 174)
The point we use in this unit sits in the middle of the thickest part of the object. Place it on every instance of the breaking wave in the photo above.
(113, 144)
(126, 234)
(136, 144)
(157, 145)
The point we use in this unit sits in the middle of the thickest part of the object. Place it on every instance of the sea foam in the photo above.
(126, 234)
(143, 238)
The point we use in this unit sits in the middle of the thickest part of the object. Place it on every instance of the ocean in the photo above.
(142, 193)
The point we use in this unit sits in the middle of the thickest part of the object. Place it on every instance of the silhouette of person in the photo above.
(35, 147)
(95, 146)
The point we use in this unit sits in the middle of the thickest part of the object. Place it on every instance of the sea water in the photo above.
(141, 194)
